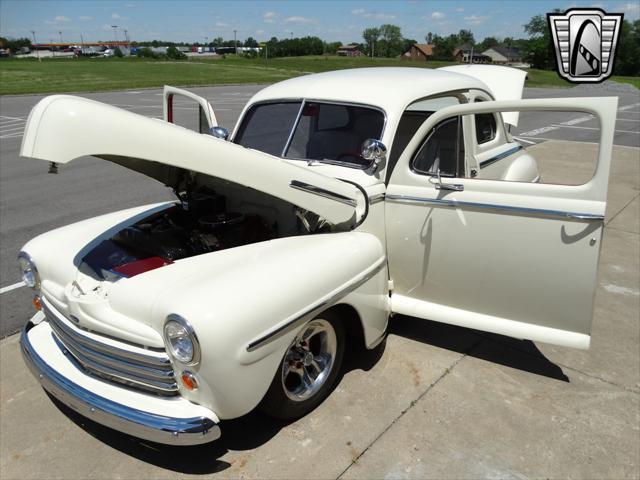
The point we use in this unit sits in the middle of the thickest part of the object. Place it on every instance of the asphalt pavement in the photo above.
(437, 402)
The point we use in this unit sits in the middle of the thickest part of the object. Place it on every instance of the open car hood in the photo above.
(62, 128)
(505, 83)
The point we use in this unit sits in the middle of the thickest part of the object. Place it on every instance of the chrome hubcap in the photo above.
(309, 360)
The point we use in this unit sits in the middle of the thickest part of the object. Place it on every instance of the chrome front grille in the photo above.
(131, 366)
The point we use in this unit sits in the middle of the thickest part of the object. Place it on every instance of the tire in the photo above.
(289, 397)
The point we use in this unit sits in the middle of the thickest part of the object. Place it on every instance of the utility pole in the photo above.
(235, 42)
(115, 31)
(34, 43)
(291, 35)
(471, 56)
(60, 33)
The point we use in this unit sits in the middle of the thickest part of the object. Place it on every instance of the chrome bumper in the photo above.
(138, 423)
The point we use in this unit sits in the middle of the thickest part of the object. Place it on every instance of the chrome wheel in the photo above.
(309, 360)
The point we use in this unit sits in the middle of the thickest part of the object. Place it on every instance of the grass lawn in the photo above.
(20, 76)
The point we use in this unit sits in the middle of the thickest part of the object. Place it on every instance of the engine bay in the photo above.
(201, 223)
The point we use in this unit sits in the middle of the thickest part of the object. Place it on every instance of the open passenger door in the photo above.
(513, 258)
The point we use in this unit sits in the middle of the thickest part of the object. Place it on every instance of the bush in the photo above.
(118, 53)
(174, 54)
(146, 52)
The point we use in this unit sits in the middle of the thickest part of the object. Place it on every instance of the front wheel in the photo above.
(308, 370)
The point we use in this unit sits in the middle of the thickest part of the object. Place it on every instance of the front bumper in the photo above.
(173, 421)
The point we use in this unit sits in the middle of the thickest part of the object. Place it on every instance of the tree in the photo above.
(429, 38)
(118, 53)
(466, 36)
(391, 40)
(250, 42)
(174, 54)
(487, 43)
(443, 47)
(539, 51)
(628, 51)
(332, 47)
(371, 36)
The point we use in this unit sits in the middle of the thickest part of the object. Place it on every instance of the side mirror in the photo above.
(375, 151)
(219, 132)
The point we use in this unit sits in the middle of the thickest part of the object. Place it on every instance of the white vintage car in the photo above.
(340, 199)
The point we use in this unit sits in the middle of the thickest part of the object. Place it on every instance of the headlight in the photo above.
(29, 271)
(181, 340)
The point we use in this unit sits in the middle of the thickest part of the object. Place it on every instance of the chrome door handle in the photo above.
(456, 187)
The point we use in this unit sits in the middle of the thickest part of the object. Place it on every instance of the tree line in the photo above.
(387, 41)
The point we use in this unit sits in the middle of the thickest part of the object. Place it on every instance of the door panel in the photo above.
(514, 258)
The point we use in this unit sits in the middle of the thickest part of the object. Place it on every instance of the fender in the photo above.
(246, 305)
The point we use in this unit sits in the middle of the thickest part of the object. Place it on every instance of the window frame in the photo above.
(460, 160)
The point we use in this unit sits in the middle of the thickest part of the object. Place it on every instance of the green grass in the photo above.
(22, 76)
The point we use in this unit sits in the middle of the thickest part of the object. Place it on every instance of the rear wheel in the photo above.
(308, 370)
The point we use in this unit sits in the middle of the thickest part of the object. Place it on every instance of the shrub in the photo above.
(174, 54)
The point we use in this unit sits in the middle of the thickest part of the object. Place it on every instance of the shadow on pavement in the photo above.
(505, 351)
(244, 433)
(203, 459)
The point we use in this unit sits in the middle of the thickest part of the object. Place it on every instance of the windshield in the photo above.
(311, 130)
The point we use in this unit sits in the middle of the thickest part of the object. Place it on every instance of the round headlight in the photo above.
(181, 340)
(29, 271)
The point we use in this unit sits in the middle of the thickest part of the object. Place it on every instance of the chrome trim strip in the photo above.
(500, 156)
(379, 197)
(317, 308)
(306, 187)
(141, 424)
(488, 206)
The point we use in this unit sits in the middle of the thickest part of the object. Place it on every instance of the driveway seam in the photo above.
(412, 404)
(621, 210)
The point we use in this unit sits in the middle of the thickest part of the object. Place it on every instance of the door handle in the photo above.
(455, 187)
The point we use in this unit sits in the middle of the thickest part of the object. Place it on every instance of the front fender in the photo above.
(235, 297)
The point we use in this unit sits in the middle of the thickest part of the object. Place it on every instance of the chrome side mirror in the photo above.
(219, 132)
(375, 151)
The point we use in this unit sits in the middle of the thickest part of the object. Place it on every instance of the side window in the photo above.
(443, 149)
(485, 127)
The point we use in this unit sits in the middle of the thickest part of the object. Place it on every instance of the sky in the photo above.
(344, 21)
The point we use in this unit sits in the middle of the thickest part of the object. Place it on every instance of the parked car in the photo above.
(339, 199)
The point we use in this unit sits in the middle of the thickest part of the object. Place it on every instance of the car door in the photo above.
(514, 258)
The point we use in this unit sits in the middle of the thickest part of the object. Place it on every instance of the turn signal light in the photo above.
(189, 381)
(36, 303)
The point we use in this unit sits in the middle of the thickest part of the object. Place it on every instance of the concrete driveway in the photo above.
(436, 402)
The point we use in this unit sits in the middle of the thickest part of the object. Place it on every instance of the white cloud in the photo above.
(115, 16)
(129, 5)
(476, 19)
(269, 17)
(298, 19)
(260, 32)
(361, 12)
(221, 24)
(437, 15)
(57, 20)
(460, 9)
(85, 18)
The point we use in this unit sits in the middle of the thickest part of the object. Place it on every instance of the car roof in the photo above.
(389, 88)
